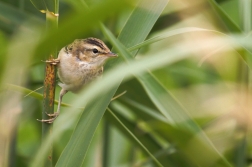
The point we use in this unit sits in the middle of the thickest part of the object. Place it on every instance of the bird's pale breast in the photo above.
(74, 74)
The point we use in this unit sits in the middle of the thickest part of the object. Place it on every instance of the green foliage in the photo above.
(187, 81)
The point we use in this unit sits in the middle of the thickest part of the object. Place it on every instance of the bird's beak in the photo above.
(111, 54)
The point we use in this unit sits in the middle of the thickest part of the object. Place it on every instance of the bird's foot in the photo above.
(56, 114)
(51, 120)
(52, 61)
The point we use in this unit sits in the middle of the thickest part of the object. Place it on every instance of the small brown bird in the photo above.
(79, 63)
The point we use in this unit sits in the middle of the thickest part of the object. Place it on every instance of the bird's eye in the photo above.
(95, 51)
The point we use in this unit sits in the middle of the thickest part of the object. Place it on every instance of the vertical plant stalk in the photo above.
(241, 151)
(49, 85)
(48, 106)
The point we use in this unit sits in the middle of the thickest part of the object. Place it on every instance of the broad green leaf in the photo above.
(174, 113)
(145, 110)
(144, 16)
(179, 118)
(228, 22)
(232, 27)
(75, 151)
(171, 33)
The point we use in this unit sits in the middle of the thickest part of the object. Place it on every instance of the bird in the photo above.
(78, 64)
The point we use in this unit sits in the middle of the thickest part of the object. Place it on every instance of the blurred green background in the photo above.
(188, 93)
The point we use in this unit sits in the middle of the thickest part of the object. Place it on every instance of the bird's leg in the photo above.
(56, 114)
(62, 93)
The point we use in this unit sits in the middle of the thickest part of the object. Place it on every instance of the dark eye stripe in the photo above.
(95, 42)
(97, 50)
